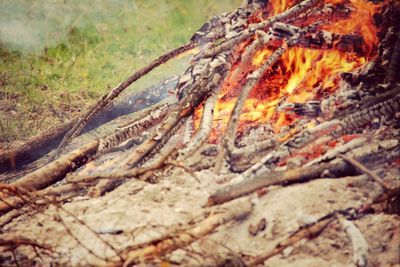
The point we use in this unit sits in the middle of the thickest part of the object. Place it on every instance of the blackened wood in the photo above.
(393, 73)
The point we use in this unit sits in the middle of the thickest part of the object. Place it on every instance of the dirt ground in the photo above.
(138, 212)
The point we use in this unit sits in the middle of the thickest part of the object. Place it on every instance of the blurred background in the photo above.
(59, 56)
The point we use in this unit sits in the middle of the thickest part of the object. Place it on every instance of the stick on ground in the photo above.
(184, 238)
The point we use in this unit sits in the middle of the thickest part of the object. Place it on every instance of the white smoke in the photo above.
(32, 25)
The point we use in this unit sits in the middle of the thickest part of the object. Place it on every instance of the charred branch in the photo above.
(337, 168)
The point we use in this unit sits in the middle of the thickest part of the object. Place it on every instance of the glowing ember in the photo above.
(302, 74)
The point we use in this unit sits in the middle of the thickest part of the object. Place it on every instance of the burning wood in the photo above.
(282, 94)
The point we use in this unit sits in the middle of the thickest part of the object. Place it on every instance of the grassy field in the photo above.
(59, 56)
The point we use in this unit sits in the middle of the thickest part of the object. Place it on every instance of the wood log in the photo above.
(152, 117)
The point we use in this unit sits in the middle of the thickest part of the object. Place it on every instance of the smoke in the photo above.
(31, 26)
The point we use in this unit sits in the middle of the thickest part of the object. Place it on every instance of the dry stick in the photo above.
(15, 203)
(105, 242)
(61, 220)
(210, 79)
(205, 126)
(106, 99)
(274, 178)
(54, 171)
(364, 169)
(159, 136)
(156, 140)
(152, 117)
(306, 232)
(16, 241)
(110, 181)
(314, 229)
(287, 15)
(181, 239)
(32, 196)
(120, 175)
(178, 164)
(228, 142)
(188, 132)
(15, 258)
(57, 170)
(338, 168)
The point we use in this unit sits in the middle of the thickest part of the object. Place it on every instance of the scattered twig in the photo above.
(178, 164)
(105, 242)
(309, 231)
(183, 238)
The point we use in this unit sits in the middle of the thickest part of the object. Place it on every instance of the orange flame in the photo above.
(302, 74)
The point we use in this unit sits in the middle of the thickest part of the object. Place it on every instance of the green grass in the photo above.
(69, 63)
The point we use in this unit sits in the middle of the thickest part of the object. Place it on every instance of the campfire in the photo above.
(278, 96)
(310, 71)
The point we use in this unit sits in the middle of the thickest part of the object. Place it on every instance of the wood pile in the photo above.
(313, 182)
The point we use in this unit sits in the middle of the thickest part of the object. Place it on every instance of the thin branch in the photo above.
(106, 99)
(367, 171)
(309, 231)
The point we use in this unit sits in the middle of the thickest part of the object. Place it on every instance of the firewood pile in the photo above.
(278, 146)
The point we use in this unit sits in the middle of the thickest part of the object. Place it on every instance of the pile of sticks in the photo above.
(231, 39)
